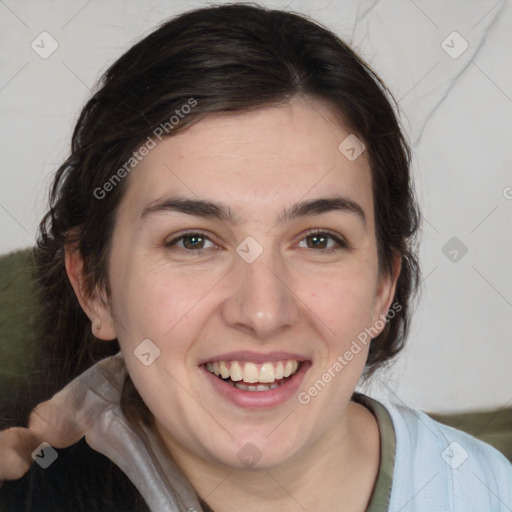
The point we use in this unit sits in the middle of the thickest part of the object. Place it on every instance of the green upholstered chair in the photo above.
(20, 356)
(21, 370)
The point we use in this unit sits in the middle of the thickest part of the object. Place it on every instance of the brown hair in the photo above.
(230, 58)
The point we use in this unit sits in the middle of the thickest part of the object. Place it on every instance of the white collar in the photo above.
(90, 405)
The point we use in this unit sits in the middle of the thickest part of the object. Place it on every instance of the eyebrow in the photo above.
(217, 210)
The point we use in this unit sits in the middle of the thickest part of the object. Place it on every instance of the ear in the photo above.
(95, 305)
(385, 291)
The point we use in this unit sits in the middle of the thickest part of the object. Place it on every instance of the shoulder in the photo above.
(440, 468)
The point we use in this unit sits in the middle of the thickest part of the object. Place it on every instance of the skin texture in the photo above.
(294, 297)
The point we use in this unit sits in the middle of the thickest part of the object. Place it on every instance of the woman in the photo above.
(237, 215)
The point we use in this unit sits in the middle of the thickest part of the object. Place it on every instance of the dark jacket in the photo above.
(79, 480)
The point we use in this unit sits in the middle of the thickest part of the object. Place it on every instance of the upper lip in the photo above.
(254, 357)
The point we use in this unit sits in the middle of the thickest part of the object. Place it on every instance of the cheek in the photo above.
(344, 301)
(165, 306)
(344, 305)
(154, 303)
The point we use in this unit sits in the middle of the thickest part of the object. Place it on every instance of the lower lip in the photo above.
(259, 399)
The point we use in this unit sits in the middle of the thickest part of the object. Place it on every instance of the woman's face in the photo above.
(213, 260)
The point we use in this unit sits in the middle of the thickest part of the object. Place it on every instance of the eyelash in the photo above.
(341, 244)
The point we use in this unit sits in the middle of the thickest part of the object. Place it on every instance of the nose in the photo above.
(261, 301)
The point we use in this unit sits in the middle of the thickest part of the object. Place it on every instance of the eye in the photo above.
(196, 242)
(191, 242)
(320, 240)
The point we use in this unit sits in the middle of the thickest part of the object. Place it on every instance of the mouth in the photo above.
(249, 376)
(255, 380)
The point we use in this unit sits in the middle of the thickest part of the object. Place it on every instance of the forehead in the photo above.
(259, 159)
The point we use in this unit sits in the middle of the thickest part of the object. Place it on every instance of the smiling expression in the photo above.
(244, 249)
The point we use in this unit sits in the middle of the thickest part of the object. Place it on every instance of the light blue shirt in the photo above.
(441, 469)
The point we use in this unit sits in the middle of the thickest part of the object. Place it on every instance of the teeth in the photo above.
(255, 388)
(224, 370)
(291, 367)
(279, 371)
(235, 371)
(267, 373)
(250, 373)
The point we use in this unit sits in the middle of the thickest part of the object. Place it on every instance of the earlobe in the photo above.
(93, 304)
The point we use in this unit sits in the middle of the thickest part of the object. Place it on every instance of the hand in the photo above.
(46, 423)
(16, 446)
(64, 419)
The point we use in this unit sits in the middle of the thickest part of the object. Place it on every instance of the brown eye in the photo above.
(191, 242)
(325, 242)
(317, 241)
